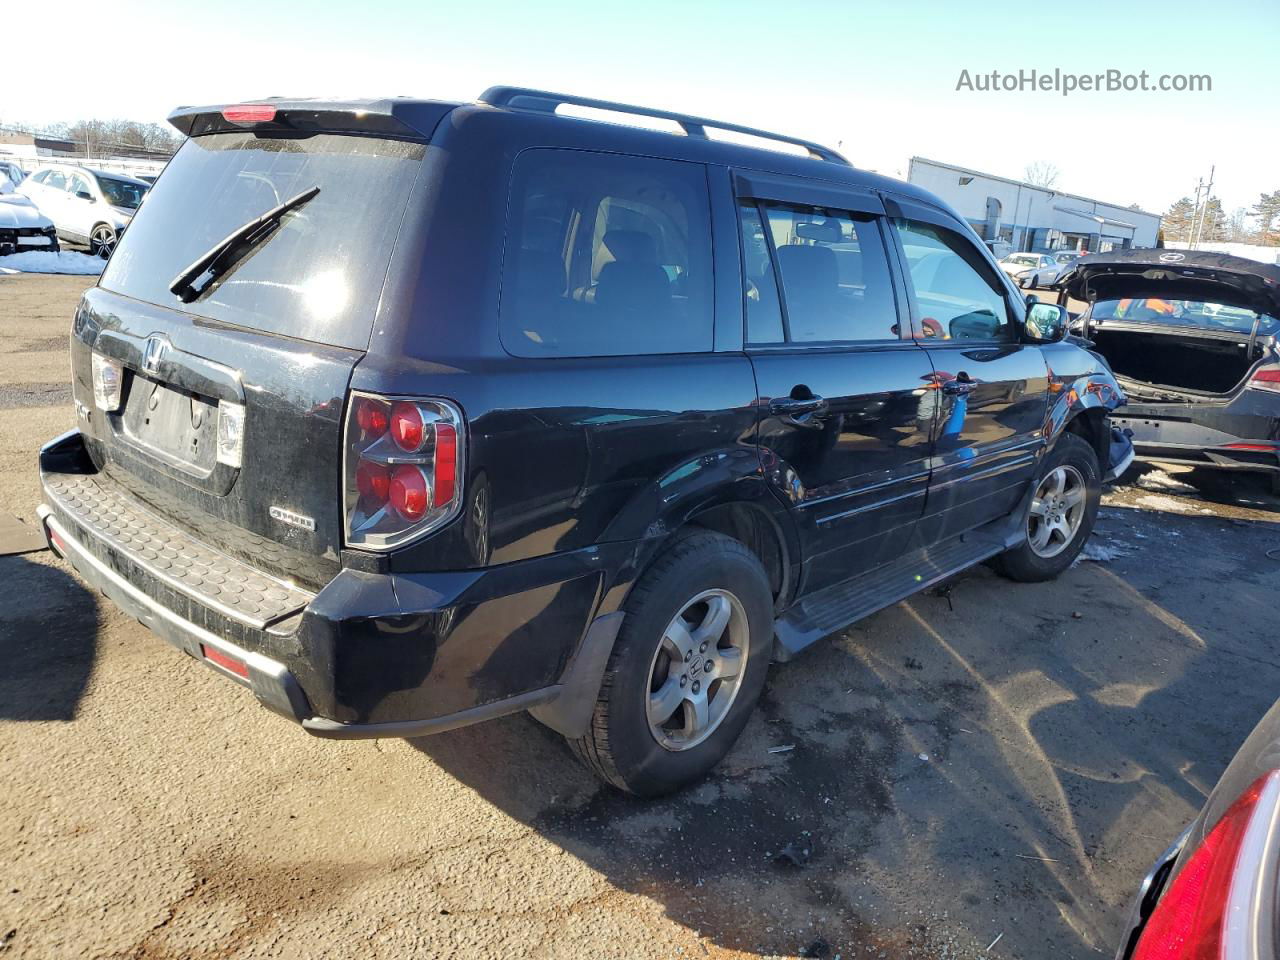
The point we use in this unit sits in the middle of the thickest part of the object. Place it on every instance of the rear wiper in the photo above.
(228, 252)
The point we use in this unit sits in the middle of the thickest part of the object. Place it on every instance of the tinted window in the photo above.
(41, 177)
(78, 184)
(606, 255)
(835, 275)
(957, 293)
(764, 312)
(57, 179)
(319, 275)
(122, 193)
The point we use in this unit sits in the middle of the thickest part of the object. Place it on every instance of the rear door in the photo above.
(844, 400)
(991, 389)
(278, 335)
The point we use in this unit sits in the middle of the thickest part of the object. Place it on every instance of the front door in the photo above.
(990, 390)
(844, 423)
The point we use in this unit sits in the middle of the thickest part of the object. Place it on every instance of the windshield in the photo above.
(319, 275)
(122, 193)
(1185, 313)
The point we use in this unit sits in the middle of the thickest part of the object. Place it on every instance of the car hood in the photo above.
(17, 211)
(1175, 275)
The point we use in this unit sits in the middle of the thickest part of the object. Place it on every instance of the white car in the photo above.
(22, 226)
(1031, 270)
(87, 206)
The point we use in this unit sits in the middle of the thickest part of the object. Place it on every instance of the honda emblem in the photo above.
(154, 354)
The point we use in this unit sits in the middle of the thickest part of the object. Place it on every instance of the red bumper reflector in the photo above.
(238, 667)
(250, 113)
(1262, 445)
(58, 545)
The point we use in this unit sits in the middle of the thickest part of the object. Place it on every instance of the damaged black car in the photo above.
(1191, 337)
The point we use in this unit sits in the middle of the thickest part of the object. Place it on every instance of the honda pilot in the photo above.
(406, 415)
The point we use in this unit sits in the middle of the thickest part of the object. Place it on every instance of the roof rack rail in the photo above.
(542, 101)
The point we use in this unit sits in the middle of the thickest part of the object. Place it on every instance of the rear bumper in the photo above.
(369, 655)
(1242, 434)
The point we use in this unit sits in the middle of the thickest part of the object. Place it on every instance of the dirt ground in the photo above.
(991, 764)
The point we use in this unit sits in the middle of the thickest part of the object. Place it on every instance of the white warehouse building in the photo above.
(1031, 218)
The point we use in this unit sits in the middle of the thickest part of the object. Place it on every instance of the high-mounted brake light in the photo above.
(1207, 912)
(1266, 380)
(246, 113)
(404, 468)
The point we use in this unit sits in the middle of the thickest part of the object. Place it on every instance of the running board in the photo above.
(836, 607)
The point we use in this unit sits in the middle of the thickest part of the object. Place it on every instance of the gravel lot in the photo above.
(999, 760)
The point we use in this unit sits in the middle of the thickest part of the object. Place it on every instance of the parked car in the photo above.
(1031, 270)
(1192, 338)
(1213, 892)
(609, 420)
(23, 227)
(88, 206)
(10, 176)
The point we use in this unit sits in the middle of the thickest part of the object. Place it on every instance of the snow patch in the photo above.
(1160, 481)
(1103, 552)
(1160, 502)
(64, 261)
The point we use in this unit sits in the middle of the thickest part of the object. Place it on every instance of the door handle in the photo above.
(794, 407)
(961, 386)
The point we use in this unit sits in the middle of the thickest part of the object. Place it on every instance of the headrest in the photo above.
(806, 266)
(631, 246)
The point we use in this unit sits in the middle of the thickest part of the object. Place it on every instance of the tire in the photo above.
(622, 746)
(1029, 283)
(102, 240)
(1074, 460)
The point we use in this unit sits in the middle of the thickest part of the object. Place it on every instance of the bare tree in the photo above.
(1041, 174)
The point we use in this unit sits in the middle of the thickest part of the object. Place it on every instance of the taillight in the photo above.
(403, 468)
(108, 382)
(1266, 380)
(1209, 909)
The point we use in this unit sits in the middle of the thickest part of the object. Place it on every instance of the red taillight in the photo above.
(403, 474)
(1206, 908)
(238, 667)
(373, 480)
(408, 428)
(372, 417)
(446, 463)
(410, 492)
(249, 113)
(1266, 380)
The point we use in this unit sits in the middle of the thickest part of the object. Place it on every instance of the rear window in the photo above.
(318, 277)
(607, 255)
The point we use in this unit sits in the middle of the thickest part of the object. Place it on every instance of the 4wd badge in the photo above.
(292, 519)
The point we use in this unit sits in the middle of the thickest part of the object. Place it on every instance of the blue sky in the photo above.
(880, 77)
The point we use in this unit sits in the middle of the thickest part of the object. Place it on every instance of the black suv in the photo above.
(407, 414)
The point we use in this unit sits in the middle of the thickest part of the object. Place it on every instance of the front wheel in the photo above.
(1060, 515)
(686, 670)
(102, 240)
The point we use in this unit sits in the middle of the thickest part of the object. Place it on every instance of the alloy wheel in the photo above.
(697, 670)
(1057, 511)
(102, 241)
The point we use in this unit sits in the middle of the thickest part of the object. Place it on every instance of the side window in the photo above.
(57, 180)
(764, 312)
(607, 255)
(836, 285)
(77, 185)
(958, 295)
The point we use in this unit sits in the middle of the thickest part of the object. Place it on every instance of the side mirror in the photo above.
(84, 195)
(1046, 322)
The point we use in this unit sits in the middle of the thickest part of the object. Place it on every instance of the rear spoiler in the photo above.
(392, 118)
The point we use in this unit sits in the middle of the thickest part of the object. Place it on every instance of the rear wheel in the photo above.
(686, 670)
(1060, 515)
(102, 240)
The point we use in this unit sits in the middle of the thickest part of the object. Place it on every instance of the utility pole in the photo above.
(1204, 211)
(1195, 212)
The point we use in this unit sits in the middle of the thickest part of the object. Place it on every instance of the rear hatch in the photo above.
(277, 333)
